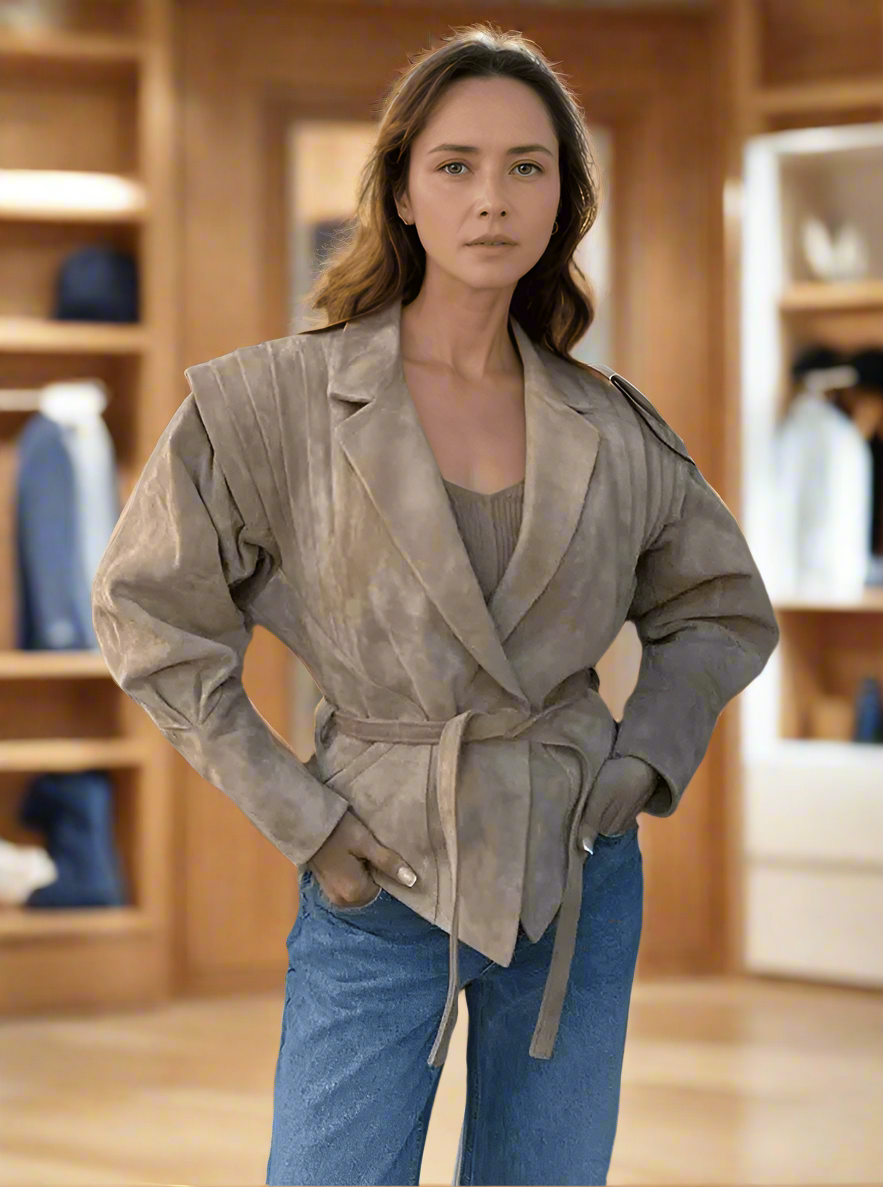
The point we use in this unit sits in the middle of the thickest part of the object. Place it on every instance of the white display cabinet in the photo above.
(812, 801)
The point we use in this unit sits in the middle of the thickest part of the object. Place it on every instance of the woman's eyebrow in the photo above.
(519, 148)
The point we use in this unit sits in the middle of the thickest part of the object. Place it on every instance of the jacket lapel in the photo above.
(388, 449)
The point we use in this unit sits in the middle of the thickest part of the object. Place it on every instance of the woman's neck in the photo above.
(469, 339)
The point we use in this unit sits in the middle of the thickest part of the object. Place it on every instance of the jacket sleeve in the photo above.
(170, 605)
(707, 627)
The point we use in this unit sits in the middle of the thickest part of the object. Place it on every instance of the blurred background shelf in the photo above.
(810, 98)
(57, 47)
(70, 196)
(71, 754)
(870, 601)
(51, 665)
(45, 923)
(32, 334)
(815, 296)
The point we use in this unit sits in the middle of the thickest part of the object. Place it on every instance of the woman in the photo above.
(357, 489)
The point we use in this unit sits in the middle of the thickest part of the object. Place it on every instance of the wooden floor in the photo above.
(724, 1082)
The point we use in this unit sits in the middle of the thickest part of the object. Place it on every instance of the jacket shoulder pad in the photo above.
(651, 415)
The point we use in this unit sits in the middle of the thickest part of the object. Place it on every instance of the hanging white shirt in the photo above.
(824, 500)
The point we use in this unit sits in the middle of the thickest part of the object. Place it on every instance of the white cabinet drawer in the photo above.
(814, 800)
(825, 923)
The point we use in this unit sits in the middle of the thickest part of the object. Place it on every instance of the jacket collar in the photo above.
(388, 449)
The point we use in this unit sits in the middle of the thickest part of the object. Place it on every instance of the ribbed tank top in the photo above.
(489, 525)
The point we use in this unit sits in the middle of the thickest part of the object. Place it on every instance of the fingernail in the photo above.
(588, 847)
(407, 875)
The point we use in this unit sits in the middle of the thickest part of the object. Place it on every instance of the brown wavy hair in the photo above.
(377, 258)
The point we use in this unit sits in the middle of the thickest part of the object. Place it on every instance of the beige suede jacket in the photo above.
(294, 487)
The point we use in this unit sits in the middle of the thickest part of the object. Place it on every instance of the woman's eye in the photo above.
(520, 165)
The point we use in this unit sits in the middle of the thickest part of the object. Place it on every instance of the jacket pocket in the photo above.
(354, 909)
(633, 828)
(387, 789)
(355, 765)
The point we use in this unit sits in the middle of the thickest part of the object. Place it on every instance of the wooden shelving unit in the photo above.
(807, 113)
(89, 109)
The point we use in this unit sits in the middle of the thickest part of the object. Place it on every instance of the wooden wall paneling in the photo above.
(237, 888)
(737, 66)
(158, 394)
(668, 237)
(812, 41)
(734, 68)
(67, 117)
(244, 72)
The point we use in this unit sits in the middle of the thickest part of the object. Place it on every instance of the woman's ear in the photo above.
(404, 208)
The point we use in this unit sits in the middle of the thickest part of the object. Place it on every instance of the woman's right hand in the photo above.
(341, 863)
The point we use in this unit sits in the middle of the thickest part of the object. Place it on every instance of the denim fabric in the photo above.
(365, 989)
(54, 599)
(75, 812)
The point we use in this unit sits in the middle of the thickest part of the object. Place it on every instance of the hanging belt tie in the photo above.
(474, 725)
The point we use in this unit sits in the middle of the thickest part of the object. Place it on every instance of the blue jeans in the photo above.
(365, 990)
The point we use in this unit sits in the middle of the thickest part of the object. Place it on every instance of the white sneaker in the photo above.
(23, 869)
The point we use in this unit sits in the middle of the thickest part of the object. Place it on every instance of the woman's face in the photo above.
(485, 165)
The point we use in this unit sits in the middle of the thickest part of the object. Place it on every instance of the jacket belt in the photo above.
(474, 725)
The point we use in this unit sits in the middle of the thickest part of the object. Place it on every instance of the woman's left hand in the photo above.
(623, 787)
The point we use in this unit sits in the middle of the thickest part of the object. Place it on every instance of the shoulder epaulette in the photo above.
(651, 415)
